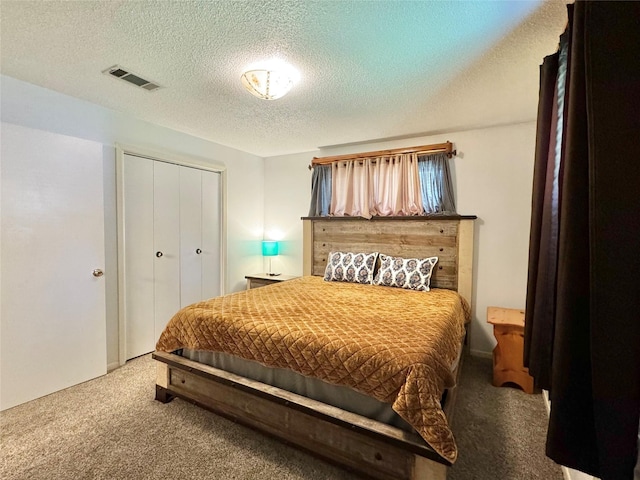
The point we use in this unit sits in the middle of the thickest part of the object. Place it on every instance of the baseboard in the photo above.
(112, 366)
(570, 474)
(547, 402)
(480, 353)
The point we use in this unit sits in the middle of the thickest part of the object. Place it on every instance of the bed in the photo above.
(331, 340)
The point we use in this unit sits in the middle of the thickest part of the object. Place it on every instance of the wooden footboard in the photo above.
(357, 443)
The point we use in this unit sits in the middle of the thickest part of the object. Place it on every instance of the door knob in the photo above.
(97, 272)
(198, 251)
(159, 254)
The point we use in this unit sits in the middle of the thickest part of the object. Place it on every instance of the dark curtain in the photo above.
(543, 243)
(320, 191)
(582, 340)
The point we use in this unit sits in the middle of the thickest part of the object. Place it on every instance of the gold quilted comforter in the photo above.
(393, 344)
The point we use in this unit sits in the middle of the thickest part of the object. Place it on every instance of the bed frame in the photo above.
(366, 446)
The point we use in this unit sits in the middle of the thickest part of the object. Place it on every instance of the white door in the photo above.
(200, 234)
(166, 241)
(190, 236)
(139, 256)
(211, 235)
(152, 250)
(172, 245)
(52, 307)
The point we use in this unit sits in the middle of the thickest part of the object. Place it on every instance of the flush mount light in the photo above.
(267, 84)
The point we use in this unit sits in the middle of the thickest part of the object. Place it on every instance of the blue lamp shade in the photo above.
(269, 248)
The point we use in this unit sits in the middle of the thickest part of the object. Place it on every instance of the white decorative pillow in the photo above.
(350, 267)
(411, 273)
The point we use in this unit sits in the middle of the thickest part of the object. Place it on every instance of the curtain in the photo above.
(350, 188)
(592, 351)
(543, 245)
(384, 186)
(435, 180)
(411, 194)
(396, 186)
(320, 191)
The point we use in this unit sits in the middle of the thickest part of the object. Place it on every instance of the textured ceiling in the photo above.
(368, 70)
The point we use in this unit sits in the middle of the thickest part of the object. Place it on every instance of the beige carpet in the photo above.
(112, 428)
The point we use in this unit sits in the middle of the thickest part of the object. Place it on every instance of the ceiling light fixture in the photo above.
(267, 84)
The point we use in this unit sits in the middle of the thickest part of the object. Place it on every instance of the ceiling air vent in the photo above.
(118, 72)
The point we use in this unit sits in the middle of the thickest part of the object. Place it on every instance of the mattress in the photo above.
(391, 344)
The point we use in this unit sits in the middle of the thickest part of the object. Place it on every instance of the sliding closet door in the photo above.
(166, 243)
(52, 297)
(200, 221)
(211, 234)
(172, 245)
(190, 236)
(139, 255)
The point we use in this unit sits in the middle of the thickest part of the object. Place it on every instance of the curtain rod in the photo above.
(446, 147)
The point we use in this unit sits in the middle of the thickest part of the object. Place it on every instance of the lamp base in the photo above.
(270, 273)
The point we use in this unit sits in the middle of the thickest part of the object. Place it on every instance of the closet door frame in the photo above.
(176, 159)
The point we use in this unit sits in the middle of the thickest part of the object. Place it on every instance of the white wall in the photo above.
(493, 176)
(287, 187)
(31, 106)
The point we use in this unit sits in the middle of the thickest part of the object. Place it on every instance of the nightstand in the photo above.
(508, 328)
(262, 279)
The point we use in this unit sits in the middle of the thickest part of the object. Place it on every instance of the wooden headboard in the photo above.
(450, 238)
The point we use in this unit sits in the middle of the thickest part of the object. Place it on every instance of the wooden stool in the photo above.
(508, 328)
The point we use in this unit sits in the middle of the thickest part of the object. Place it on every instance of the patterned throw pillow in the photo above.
(412, 273)
(350, 267)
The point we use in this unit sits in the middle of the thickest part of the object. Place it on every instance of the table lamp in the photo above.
(270, 249)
